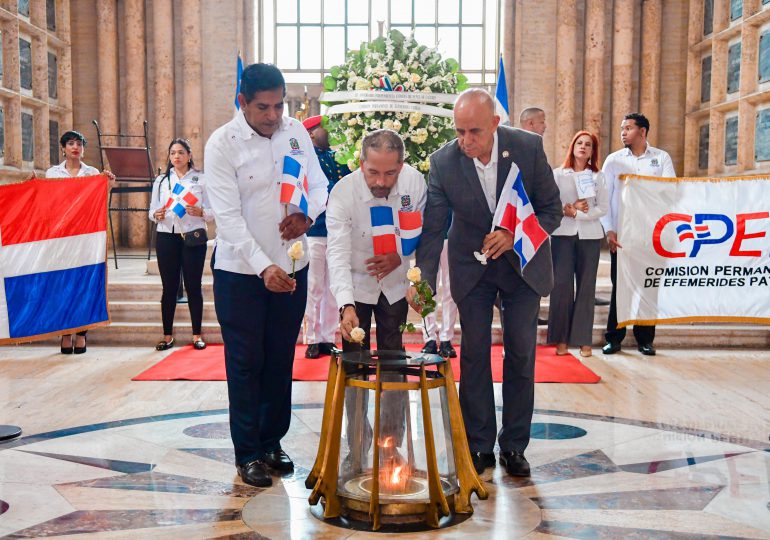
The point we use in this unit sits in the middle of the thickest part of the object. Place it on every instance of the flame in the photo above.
(395, 478)
(387, 442)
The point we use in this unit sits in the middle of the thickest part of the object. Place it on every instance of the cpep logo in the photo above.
(697, 229)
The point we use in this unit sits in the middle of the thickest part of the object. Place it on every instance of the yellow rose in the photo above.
(357, 335)
(415, 118)
(296, 251)
(414, 274)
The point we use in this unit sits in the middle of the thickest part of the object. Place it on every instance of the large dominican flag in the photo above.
(514, 212)
(387, 237)
(53, 246)
(294, 185)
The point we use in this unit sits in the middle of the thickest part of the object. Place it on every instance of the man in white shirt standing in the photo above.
(259, 305)
(368, 280)
(637, 157)
(365, 284)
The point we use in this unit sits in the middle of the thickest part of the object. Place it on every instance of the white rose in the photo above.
(296, 251)
(353, 121)
(425, 166)
(388, 124)
(362, 84)
(396, 125)
(415, 118)
(414, 274)
(357, 335)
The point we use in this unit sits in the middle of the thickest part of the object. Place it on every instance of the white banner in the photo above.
(380, 95)
(385, 106)
(694, 250)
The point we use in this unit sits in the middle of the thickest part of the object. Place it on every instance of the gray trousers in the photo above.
(477, 397)
(571, 316)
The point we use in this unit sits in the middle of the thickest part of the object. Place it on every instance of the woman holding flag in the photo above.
(73, 146)
(180, 208)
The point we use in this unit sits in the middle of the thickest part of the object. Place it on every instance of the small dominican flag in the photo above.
(53, 246)
(294, 186)
(501, 96)
(180, 198)
(238, 75)
(514, 212)
(389, 238)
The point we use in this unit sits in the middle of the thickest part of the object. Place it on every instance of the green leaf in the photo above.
(452, 64)
(330, 83)
(335, 72)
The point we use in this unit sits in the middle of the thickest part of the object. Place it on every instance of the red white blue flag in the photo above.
(395, 235)
(180, 198)
(294, 187)
(53, 244)
(514, 212)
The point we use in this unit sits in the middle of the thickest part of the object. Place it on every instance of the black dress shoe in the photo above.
(482, 460)
(611, 348)
(515, 463)
(446, 350)
(312, 351)
(255, 474)
(279, 461)
(199, 344)
(647, 349)
(326, 348)
(430, 347)
(601, 301)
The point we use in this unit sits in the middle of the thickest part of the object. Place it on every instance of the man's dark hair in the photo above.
(640, 120)
(259, 78)
(72, 136)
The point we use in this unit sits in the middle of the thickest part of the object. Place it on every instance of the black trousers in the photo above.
(389, 317)
(571, 315)
(174, 256)
(643, 334)
(520, 306)
(259, 330)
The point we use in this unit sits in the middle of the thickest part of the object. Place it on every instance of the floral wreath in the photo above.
(409, 75)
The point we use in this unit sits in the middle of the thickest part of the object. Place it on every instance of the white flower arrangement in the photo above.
(403, 62)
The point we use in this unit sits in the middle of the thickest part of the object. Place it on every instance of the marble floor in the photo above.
(674, 446)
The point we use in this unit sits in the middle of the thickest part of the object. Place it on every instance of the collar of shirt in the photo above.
(646, 152)
(492, 159)
(246, 132)
(61, 168)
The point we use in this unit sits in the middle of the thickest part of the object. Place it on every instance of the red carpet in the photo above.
(187, 364)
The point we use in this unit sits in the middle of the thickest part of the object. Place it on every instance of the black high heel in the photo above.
(80, 350)
(67, 350)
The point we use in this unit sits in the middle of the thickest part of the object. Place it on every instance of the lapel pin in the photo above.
(505, 153)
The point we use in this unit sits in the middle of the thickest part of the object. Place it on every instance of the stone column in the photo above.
(593, 84)
(109, 95)
(136, 107)
(566, 58)
(649, 85)
(12, 81)
(163, 92)
(40, 91)
(623, 41)
(746, 108)
(192, 91)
